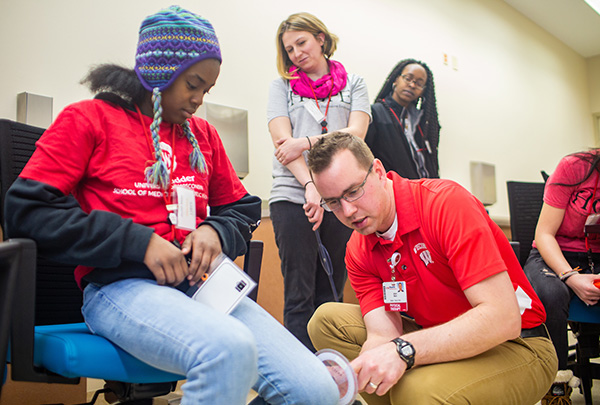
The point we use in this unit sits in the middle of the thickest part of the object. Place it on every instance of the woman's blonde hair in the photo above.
(302, 22)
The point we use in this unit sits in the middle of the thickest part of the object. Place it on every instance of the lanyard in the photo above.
(324, 122)
(166, 193)
(402, 129)
(393, 262)
(587, 243)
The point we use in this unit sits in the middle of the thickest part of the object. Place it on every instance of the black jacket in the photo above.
(388, 143)
(114, 245)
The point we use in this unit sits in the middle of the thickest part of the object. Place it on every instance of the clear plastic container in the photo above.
(342, 373)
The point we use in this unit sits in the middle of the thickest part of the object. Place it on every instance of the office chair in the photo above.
(9, 264)
(525, 203)
(49, 342)
(585, 325)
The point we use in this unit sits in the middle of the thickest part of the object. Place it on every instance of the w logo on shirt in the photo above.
(167, 156)
(424, 254)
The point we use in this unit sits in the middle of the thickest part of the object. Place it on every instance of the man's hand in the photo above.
(205, 245)
(166, 262)
(380, 366)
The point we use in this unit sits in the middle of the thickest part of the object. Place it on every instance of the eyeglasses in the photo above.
(409, 79)
(334, 204)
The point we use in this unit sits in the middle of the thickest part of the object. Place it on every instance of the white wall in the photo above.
(594, 80)
(519, 99)
(593, 65)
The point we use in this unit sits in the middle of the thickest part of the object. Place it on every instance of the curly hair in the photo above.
(429, 122)
(116, 80)
(301, 22)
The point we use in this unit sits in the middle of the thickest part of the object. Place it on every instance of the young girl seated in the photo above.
(128, 157)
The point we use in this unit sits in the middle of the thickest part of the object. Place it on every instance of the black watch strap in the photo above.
(406, 351)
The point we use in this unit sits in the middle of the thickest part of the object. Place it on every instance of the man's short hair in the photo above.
(323, 151)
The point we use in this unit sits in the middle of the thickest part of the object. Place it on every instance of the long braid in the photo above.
(431, 124)
(157, 173)
(197, 161)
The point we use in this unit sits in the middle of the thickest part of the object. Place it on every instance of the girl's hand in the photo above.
(312, 207)
(205, 245)
(583, 286)
(166, 262)
(290, 149)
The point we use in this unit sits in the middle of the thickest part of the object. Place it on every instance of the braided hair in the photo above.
(122, 86)
(429, 121)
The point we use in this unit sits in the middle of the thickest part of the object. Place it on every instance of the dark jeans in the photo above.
(306, 285)
(556, 296)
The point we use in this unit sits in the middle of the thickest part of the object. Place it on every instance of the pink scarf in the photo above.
(331, 83)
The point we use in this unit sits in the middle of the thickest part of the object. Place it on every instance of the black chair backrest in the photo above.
(58, 298)
(17, 143)
(524, 204)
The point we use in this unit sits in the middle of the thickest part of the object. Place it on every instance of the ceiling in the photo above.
(571, 21)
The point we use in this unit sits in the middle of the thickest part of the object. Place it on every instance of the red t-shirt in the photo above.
(575, 200)
(98, 151)
(447, 243)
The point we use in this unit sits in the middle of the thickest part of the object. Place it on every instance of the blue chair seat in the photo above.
(71, 350)
(580, 312)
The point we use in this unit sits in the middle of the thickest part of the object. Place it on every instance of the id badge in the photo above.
(185, 201)
(394, 296)
(311, 107)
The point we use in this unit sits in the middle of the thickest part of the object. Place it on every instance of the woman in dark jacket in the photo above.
(405, 130)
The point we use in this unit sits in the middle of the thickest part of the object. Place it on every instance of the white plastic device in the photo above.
(225, 286)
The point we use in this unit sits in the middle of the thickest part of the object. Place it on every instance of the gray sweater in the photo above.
(284, 103)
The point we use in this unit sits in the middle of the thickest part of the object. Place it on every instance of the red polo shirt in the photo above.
(447, 243)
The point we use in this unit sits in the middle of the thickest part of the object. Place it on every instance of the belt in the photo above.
(538, 331)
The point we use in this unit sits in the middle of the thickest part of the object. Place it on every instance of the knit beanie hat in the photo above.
(170, 41)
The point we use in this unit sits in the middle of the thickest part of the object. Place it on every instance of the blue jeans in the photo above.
(556, 295)
(221, 356)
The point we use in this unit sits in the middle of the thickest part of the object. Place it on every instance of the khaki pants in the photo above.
(517, 372)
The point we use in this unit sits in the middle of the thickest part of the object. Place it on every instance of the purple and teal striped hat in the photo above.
(170, 41)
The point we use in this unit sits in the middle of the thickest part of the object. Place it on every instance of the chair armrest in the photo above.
(516, 248)
(253, 263)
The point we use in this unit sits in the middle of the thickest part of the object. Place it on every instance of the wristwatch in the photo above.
(406, 351)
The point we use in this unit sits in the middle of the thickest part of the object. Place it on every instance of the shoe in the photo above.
(559, 394)
(560, 391)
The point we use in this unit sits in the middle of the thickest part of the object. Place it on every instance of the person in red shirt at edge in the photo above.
(122, 155)
(446, 313)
